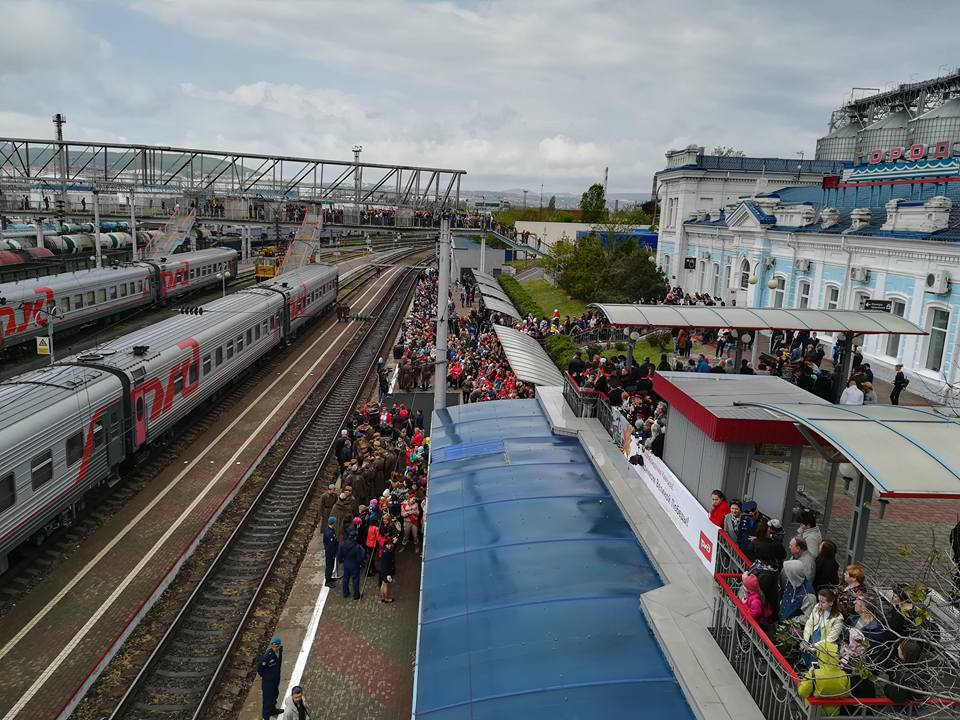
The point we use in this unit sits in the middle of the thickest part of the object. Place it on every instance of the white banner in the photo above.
(680, 505)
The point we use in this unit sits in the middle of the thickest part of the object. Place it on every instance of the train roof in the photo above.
(91, 277)
(302, 274)
(22, 396)
(166, 334)
(194, 256)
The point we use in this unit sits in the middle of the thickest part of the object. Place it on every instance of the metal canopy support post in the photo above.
(828, 500)
(860, 520)
(789, 526)
(841, 374)
(483, 251)
(443, 305)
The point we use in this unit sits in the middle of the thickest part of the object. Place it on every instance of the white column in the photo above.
(440, 368)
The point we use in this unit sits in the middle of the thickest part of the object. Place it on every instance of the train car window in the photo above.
(193, 273)
(178, 385)
(249, 337)
(78, 301)
(139, 286)
(74, 448)
(113, 292)
(240, 343)
(273, 322)
(229, 349)
(257, 331)
(8, 492)
(123, 290)
(65, 304)
(99, 434)
(207, 365)
(192, 375)
(219, 356)
(90, 299)
(133, 288)
(102, 295)
(139, 408)
(41, 470)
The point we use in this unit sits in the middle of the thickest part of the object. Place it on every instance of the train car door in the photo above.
(114, 421)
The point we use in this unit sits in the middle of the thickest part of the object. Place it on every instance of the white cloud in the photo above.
(519, 92)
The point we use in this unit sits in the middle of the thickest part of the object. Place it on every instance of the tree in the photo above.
(724, 151)
(593, 204)
(552, 205)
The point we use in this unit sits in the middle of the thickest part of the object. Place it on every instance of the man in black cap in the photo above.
(268, 668)
(899, 383)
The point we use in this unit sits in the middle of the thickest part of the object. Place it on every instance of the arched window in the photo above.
(898, 308)
(778, 292)
(803, 294)
(716, 280)
(831, 297)
(938, 321)
(666, 265)
(744, 274)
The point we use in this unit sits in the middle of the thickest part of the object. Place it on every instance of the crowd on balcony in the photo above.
(847, 638)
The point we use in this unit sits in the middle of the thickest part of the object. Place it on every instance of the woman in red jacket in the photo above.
(720, 508)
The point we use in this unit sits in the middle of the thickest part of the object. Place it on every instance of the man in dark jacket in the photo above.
(899, 383)
(268, 668)
(330, 547)
(351, 555)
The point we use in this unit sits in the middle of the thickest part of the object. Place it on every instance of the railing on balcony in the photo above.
(772, 681)
(730, 558)
(582, 401)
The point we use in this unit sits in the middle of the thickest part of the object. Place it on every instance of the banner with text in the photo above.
(680, 505)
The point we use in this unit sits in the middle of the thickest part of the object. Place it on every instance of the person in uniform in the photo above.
(330, 547)
(342, 513)
(268, 668)
(899, 383)
(328, 500)
(351, 556)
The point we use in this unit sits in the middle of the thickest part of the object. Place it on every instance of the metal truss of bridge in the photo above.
(916, 98)
(77, 165)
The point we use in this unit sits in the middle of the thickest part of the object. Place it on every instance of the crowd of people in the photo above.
(848, 639)
(477, 366)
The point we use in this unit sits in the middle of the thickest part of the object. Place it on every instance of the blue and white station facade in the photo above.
(768, 232)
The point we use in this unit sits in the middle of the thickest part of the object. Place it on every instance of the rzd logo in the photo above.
(706, 546)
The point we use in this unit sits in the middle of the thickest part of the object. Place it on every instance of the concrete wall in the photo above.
(467, 255)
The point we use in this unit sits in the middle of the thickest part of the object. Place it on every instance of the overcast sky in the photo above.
(516, 92)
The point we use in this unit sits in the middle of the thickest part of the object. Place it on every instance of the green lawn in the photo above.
(548, 297)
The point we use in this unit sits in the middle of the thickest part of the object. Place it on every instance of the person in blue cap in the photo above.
(330, 547)
(268, 668)
(351, 555)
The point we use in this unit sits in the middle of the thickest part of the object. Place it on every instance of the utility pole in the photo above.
(133, 228)
(357, 149)
(443, 310)
(541, 197)
(96, 225)
(59, 120)
(525, 197)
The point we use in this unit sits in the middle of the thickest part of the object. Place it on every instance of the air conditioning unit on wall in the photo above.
(802, 264)
(859, 274)
(938, 282)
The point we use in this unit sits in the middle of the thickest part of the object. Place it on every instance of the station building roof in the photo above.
(494, 292)
(531, 579)
(906, 452)
(485, 277)
(527, 358)
(718, 404)
(859, 322)
(497, 305)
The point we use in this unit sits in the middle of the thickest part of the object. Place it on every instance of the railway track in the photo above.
(35, 562)
(179, 677)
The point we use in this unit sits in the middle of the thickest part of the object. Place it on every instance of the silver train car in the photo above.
(81, 422)
(88, 296)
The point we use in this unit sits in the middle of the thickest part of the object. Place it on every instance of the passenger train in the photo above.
(74, 425)
(86, 296)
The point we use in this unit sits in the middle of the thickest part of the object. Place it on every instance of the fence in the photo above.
(730, 558)
(772, 681)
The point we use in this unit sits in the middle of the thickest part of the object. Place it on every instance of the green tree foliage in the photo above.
(592, 273)
(593, 204)
(552, 205)
(561, 349)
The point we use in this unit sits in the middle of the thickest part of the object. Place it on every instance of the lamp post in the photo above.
(224, 276)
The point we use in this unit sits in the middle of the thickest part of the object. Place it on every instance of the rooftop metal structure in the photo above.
(157, 168)
(916, 98)
(527, 358)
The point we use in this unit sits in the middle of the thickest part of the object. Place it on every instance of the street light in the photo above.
(224, 276)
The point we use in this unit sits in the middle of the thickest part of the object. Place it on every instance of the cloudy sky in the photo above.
(516, 92)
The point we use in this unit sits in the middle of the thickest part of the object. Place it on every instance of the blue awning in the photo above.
(532, 579)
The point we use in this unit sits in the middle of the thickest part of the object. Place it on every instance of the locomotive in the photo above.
(87, 296)
(77, 424)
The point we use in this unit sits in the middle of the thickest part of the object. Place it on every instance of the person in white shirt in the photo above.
(852, 395)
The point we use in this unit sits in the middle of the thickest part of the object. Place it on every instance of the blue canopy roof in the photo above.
(531, 581)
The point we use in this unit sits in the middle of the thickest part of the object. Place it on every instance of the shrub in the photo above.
(520, 298)
(560, 348)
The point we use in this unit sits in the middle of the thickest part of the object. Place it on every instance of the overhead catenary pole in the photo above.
(443, 310)
(133, 227)
(483, 251)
